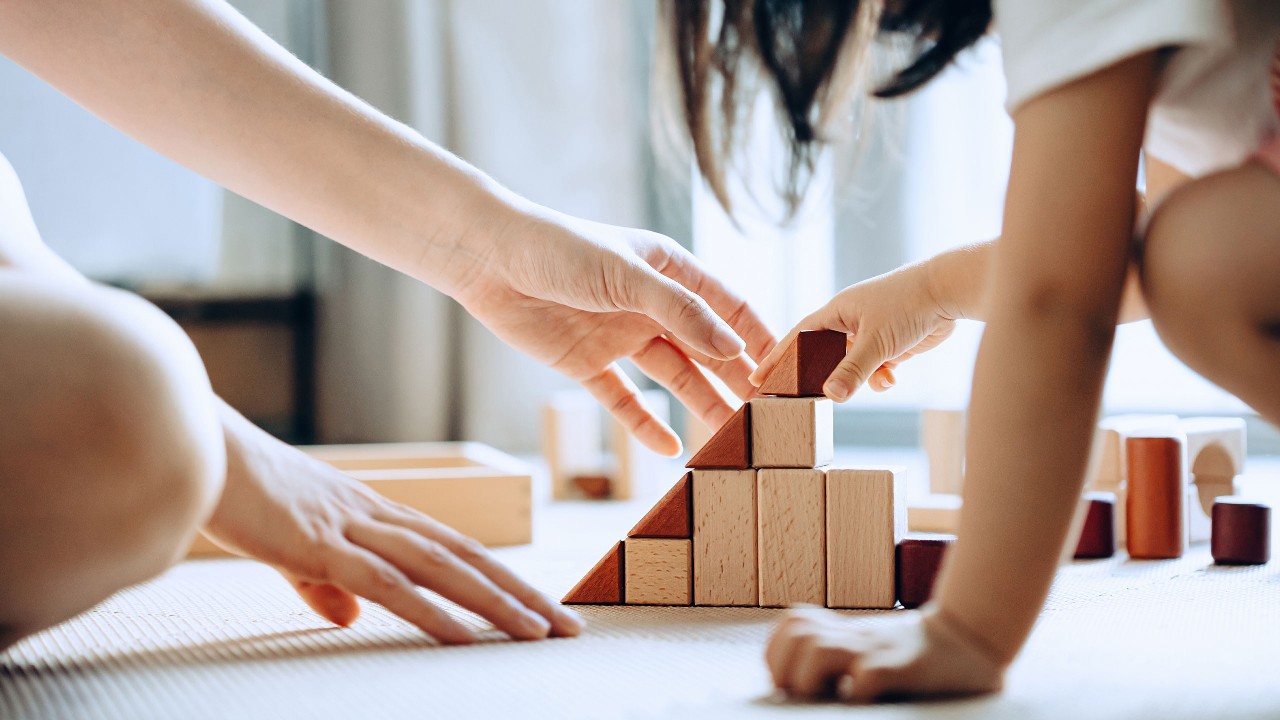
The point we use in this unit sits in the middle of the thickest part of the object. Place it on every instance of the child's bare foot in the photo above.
(814, 653)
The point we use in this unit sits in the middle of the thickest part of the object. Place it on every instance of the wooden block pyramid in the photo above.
(763, 518)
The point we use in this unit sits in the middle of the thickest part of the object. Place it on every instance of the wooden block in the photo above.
(1201, 495)
(1241, 532)
(636, 468)
(475, 489)
(1157, 526)
(572, 433)
(1107, 466)
(791, 432)
(658, 571)
(919, 560)
(1215, 448)
(672, 516)
(942, 434)
(595, 487)
(792, 537)
(730, 447)
(492, 506)
(725, 571)
(806, 364)
(934, 513)
(603, 584)
(866, 517)
(1098, 534)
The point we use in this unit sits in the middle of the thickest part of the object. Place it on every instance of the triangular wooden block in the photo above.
(672, 517)
(730, 447)
(603, 585)
(806, 364)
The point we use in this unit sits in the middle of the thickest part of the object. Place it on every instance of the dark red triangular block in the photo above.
(603, 585)
(672, 517)
(730, 447)
(806, 364)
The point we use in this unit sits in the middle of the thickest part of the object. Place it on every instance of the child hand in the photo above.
(889, 318)
(815, 653)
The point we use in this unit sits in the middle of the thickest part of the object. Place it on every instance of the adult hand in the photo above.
(335, 539)
(890, 318)
(580, 295)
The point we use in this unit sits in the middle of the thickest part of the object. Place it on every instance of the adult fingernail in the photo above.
(571, 622)
(837, 390)
(725, 341)
(533, 625)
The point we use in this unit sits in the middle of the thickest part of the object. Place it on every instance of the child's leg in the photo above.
(110, 450)
(1211, 274)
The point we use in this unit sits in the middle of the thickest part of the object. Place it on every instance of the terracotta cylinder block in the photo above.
(1098, 535)
(918, 562)
(1155, 517)
(1241, 532)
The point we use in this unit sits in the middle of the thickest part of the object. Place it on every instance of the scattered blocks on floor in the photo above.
(935, 513)
(1098, 534)
(919, 559)
(942, 435)
(1241, 532)
(473, 488)
(572, 444)
(1156, 522)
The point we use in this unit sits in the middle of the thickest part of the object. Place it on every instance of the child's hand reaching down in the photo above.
(814, 653)
(889, 318)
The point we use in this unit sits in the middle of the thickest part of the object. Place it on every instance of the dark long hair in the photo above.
(807, 50)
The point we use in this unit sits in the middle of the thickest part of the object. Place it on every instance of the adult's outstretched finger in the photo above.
(673, 370)
(330, 601)
(619, 395)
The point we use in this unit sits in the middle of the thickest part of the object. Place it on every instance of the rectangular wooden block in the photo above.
(792, 432)
(936, 513)
(637, 470)
(792, 536)
(1107, 465)
(473, 488)
(572, 436)
(658, 571)
(866, 517)
(942, 435)
(725, 570)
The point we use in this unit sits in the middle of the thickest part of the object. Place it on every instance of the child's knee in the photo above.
(1198, 256)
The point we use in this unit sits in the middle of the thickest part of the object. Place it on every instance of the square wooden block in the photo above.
(792, 432)
(658, 571)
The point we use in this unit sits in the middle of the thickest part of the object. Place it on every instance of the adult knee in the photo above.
(110, 432)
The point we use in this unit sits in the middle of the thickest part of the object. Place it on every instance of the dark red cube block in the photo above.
(918, 561)
(1098, 534)
(1241, 532)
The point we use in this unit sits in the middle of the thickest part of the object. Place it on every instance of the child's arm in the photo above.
(1056, 287)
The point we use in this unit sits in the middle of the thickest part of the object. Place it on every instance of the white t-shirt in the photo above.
(1213, 106)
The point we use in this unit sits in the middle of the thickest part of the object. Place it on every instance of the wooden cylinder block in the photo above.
(1156, 517)
(1098, 535)
(918, 562)
(1241, 532)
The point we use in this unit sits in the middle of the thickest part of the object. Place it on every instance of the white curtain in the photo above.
(548, 96)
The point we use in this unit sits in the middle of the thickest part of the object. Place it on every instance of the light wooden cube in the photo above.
(658, 571)
(792, 432)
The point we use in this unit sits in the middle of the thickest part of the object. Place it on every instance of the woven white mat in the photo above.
(228, 639)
